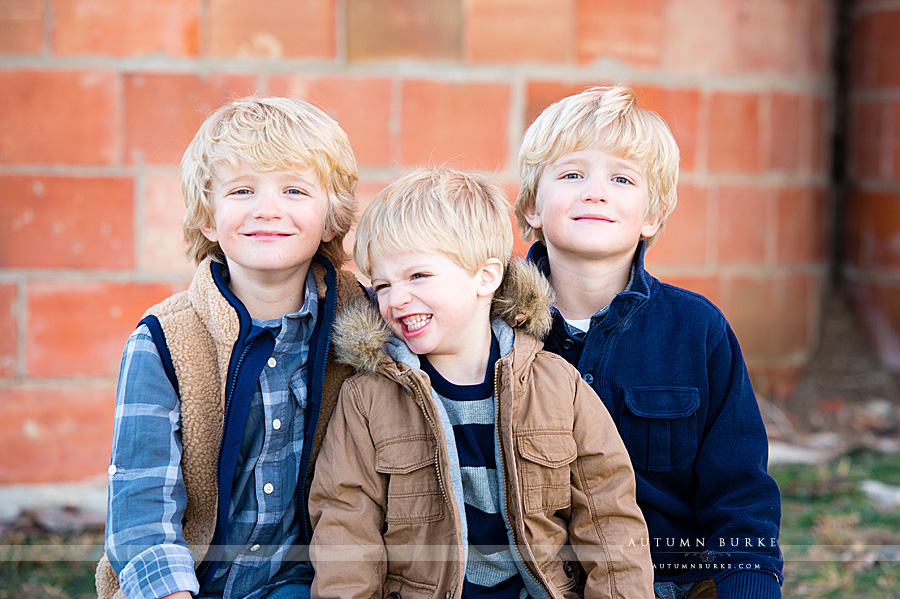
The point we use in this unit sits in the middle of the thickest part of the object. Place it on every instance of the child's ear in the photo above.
(328, 234)
(651, 225)
(490, 275)
(533, 217)
(209, 231)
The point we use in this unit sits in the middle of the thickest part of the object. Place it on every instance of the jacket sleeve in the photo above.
(738, 503)
(606, 526)
(346, 505)
(147, 498)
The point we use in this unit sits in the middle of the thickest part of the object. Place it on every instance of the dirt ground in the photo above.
(846, 390)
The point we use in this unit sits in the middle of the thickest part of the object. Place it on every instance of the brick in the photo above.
(459, 124)
(55, 434)
(709, 286)
(875, 48)
(744, 221)
(406, 29)
(22, 27)
(54, 117)
(133, 28)
(785, 132)
(272, 28)
(631, 31)
(821, 138)
(873, 237)
(162, 247)
(686, 52)
(9, 326)
(685, 239)
(797, 313)
(680, 108)
(866, 136)
(517, 30)
(766, 36)
(511, 190)
(734, 133)
(750, 304)
(369, 130)
(164, 111)
(80, 328)
(366, 191)
(802, 225)
(541, 94)
(894, 143)
(64, 222)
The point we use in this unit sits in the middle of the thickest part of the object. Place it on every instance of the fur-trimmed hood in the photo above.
(522, 301)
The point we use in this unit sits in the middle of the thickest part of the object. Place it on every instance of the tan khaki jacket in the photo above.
(387, 520)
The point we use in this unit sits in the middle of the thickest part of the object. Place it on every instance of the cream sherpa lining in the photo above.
(201, 329)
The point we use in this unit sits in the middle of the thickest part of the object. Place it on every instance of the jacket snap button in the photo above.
(394, 595)
(568, 344)
(569, 569)
(588, 378)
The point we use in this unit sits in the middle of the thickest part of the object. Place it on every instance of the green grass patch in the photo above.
(837, 543)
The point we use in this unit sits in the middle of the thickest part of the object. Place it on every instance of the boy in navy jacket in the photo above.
(598, 177)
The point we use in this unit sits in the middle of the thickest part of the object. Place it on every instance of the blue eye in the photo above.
(380, 287)
(571, 176)
(622, 180)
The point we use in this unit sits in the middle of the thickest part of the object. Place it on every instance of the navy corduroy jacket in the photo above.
(669, 369)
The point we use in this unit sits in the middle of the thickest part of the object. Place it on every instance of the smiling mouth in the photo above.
(413, 323)
(266, 234)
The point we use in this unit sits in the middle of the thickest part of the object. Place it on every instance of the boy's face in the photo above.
(591, 205)
(431, 303)
(267, 222)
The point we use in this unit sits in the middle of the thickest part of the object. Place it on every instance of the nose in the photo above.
(595, 190)
(267, 206)
(398, 296)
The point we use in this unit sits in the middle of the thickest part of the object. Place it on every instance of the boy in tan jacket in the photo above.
(464, 461)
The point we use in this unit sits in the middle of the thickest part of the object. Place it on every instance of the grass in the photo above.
(53, 576)
(834, 539)
(837, 544)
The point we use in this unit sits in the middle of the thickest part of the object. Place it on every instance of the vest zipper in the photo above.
(205, 566)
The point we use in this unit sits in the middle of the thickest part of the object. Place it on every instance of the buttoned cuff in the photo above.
(159, 571)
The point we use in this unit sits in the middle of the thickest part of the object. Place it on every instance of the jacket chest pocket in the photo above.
(545, 459)
(659, 427)
(414, 494)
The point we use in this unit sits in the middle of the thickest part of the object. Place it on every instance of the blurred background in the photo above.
(787, 113)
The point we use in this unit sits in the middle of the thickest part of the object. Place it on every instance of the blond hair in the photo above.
(436, 209)
(269, 133)
(610, 118)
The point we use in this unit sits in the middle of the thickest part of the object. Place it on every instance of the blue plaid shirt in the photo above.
(147, 495)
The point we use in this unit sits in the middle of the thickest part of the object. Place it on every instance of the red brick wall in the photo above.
(872, 196)
(100, 98)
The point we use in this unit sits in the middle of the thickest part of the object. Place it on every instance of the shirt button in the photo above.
(276, 424)
(111, 469)
(272, 362)
(268, 488)
(254, 548)
(568, 344)
(588, 378)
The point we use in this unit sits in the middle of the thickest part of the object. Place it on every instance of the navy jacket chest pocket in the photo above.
(659, 427)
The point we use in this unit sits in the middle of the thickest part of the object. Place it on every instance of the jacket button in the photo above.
(588, 378)
(569, 569)
(568, 344)
(393, 595)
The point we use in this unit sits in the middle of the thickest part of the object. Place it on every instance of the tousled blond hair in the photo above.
(610, 118)
(436, 209)
(269, 133)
